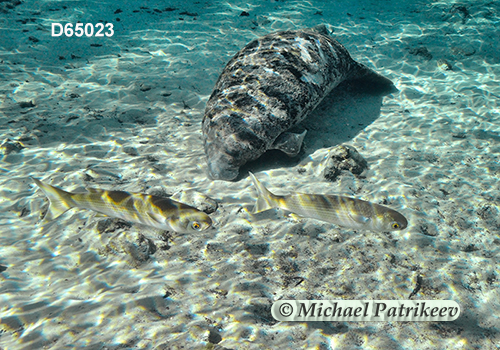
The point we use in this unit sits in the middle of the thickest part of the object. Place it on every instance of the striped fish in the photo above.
(343, 211)
(158, 212)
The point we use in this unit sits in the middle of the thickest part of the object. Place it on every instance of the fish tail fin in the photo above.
(266, 199)
(60, 201)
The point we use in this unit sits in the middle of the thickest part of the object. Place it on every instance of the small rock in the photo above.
(9, 146)
(192, 14)
(462, 10)
(463, 50)
(428, 229)
(152, 159)
(197, 200)
(6, 5)
(27, 104)
(214, 337)
(444, 65)
(97, 172)
(459, 135)
(422, 52)
(343, 157)
(131, 151)
(258, 249)
(137, 247)
(111, 225)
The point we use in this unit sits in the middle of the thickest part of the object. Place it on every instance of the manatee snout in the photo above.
(221, 166)
(226, 154)
(218, 169)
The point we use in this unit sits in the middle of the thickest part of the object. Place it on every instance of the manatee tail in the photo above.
(266, 199)
(364, 79)
(59, 201)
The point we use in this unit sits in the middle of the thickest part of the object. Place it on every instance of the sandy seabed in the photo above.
(125, 112)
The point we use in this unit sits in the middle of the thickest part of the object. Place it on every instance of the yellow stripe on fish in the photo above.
(154, 211)
(343, 211)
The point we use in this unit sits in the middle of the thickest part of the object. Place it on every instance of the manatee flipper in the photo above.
(289, 143)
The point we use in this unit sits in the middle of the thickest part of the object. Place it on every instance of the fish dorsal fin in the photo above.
(266, 199)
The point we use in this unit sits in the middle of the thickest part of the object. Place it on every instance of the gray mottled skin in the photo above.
(269, 86)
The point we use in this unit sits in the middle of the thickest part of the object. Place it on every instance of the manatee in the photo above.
(271, 85)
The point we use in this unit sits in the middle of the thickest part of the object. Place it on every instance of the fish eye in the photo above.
(395, 225)
(196, 225)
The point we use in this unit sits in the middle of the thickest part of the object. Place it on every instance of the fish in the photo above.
(343, 211)
(269, 87)
(154, 211)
